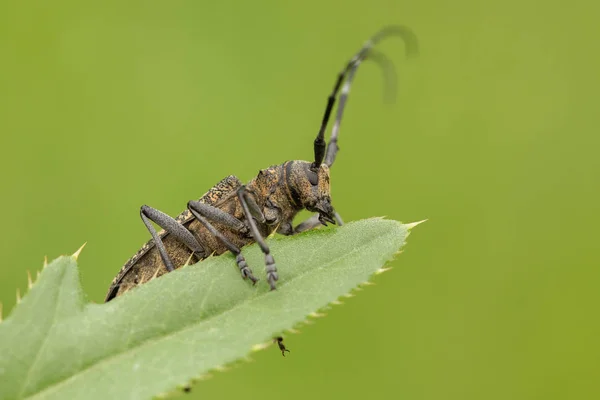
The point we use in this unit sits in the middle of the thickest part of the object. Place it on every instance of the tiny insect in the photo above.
(279, 341)
(231, 215)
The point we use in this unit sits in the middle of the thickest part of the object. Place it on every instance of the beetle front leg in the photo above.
(312, 223)
(271, 269)
(338, 219)
(308, 224)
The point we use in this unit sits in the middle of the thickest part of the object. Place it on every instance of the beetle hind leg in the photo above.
(170, 225)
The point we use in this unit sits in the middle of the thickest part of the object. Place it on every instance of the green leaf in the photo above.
(171, 330)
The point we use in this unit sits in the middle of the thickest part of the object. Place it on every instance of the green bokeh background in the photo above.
(494, 138)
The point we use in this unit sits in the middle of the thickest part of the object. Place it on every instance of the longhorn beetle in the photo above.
(231, 215)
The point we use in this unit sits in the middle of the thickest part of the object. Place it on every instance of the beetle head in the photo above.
(310, 189)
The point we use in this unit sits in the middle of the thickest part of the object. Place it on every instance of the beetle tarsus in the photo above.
(272, 275)
(244, 270)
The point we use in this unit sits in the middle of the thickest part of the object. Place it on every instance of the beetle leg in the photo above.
(217, 215)
(338, 219)
(204, 213)
(170, 225)
(306, 225)
(313, 222)
(271, 269)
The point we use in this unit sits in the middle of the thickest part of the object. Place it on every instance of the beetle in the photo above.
(231, 214)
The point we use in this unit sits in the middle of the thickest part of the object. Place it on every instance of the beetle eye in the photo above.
(312, 177)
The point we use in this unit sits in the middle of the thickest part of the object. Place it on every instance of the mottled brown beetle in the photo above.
(231, 215)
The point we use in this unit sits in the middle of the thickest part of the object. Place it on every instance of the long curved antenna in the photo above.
(411, 46)
(389, 96)
(390, 79)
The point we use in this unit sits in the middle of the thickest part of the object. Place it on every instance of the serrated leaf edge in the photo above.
(296, 329)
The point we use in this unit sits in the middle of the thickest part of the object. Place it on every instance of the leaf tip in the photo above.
(78, 252)
(45, 261)
(154, 276)
(18, 295)
(316, 315)
(204, 377)
(29, 281)
(413, 224)
(272, 234)
(188, 260)
(222, 368)
(260, 346)
(382, 270)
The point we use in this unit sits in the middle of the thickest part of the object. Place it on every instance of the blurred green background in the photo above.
(105, 106)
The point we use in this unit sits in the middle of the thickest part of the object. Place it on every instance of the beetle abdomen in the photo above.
(147, 263)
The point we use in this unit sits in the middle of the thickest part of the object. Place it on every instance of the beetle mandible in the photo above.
(231, 214)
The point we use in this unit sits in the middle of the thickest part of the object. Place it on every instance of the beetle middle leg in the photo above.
(205, 213)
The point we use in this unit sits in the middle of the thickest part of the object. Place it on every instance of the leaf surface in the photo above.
(172, 330)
